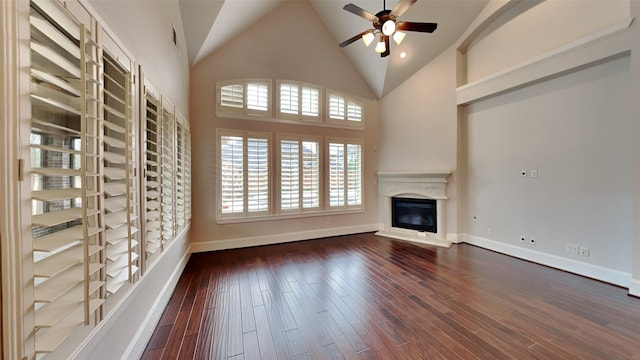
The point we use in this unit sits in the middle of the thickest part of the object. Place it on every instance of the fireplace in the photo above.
(412, 206)
(415, 214)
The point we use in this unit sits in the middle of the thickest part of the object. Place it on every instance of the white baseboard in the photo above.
(101, 343)
(147, 327)
(577, 267)
(634, 287)
(279, 238)
(454, 238)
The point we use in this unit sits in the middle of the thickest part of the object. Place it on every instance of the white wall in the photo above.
(145, 29)
(635, 91)
(532, 28)
(303, 50)
(573, 125)
(576, 131)
(418, 129)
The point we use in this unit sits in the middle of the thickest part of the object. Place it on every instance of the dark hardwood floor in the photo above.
(366, 297)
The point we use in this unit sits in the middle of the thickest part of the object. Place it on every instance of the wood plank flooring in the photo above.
(366, 297)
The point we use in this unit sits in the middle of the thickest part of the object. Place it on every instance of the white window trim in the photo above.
(299, 116)
(244, 135)
(345, 120)
(243, 111)
(278, 182)
(327, 179)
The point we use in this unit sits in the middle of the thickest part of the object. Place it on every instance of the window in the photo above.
(299, 174)
(343, 110)
(250, 97)
(298, 101)
(244, 179)
(344, 174)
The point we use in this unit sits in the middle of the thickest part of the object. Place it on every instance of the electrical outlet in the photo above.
(533, 173)
(328, 221)
(584, 251)
(573, 249)
(523, 239)
(490, 231)
(532, 241)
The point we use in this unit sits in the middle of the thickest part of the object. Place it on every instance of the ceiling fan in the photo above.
(386, 23)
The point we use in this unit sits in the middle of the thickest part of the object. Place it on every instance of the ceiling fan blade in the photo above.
(355, 38)
(354, 9)
(401, 7)
(387, 50)
(414, 26)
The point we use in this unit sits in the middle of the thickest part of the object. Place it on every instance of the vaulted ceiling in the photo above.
(209, 24)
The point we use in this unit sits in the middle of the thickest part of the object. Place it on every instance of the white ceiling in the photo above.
(209, 24)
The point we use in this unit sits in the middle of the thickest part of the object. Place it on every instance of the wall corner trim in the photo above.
(607, 43)
(634, 287)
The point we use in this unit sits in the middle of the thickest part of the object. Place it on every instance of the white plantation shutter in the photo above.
(258, 96)
(345, 174)
(299, 174)
(232, 174)
(311, 174)
(232, 96)
(354, 174)
(336, 107)
(179, 177)
(167, 214)
(152, 159)
(119, 177)
(187, 175)
(289, 98)
(336, 175)
(67, 221)
(310, 102)
(257, 175)
(243, 174)
(354, 111)
(289, 174)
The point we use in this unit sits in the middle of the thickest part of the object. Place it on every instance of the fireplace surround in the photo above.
(424, 185)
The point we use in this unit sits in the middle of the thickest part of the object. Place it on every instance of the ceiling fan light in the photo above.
(399, 36)
(380, 46)
(368, 38)
(388, 27)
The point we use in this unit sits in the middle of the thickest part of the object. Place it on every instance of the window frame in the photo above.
(245, 109)
(345, 142)
(300, 139)
(299, 115)
(245, 135)
(344, 120)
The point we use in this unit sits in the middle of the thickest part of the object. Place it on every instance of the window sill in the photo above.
(331, 124)
(289, 216)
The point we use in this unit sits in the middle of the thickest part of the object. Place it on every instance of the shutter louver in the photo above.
(310, 175)
(336, 175)
(232, 96)
(354, 175)
(258, 96)
(354, 112)
(187, 176)
(336, 107)
(289, 175)
(232, 174)
(153, 231)
(67, 220)
(289, 98)
(179, 177)
(167, 201)
(257, 175)
(310, 102)
(119, 177)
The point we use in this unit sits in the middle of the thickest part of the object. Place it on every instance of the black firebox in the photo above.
(414, 214)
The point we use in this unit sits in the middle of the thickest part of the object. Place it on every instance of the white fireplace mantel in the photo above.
(419, 185)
